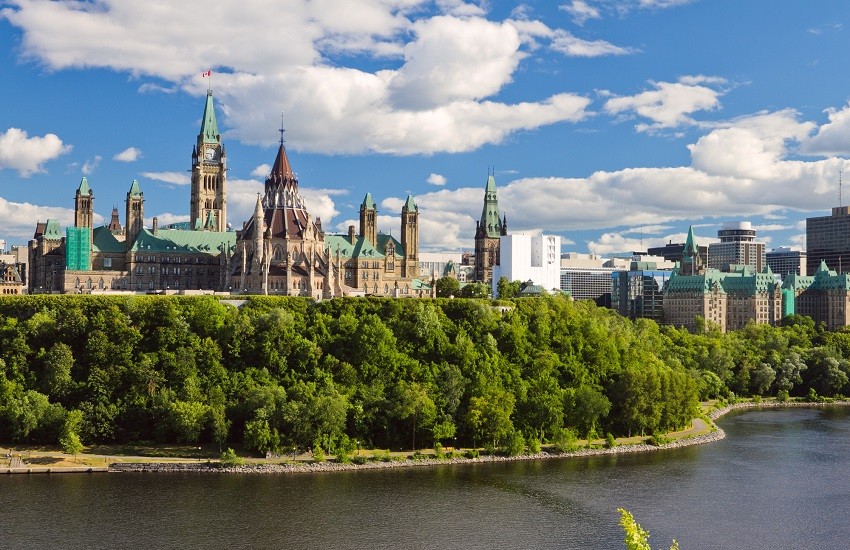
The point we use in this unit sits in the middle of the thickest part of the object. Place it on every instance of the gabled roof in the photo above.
(104, 241)
(52, 230)
(362, 247)
(209, 126)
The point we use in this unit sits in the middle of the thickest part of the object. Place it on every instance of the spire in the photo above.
(84, 189)
(258, 209)
(491, 219)
(368, 202)
(410, 205)
(135, 190)
(690, 249)
(209, 126)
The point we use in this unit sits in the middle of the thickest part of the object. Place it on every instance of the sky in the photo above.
(615, 124)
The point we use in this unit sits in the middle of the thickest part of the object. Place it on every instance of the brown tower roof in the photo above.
(281, 169)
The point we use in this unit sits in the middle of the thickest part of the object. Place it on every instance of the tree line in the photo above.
(284, 373)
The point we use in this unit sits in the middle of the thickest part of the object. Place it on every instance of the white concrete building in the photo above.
(526, 258)
(433, 264)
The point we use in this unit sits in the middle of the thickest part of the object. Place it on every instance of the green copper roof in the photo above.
(491, 218)
(410, 205)
(691, 249)
(209, 126)
(104, 241)
(135, 190)
(210, 223)
(175, 240)
(52, 230)
(368, 202)
(362, 248)
(84, 188)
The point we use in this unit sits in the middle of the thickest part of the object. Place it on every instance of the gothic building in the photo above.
(488, 229)
(283, 250)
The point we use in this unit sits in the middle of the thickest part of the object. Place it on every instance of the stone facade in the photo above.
(488, 229)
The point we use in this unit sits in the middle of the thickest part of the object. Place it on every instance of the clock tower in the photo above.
(208, 207)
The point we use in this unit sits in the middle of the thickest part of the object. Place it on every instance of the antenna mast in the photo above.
(840, 204)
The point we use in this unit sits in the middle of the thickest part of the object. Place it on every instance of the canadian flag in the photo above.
(208, 73)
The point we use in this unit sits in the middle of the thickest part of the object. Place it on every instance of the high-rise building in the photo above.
(639, 291)
(828, 240)
(786, 260)
(737, 247)
(525, 258)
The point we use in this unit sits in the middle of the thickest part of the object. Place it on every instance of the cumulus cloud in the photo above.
(19, 218)
(130, 154)
(27, 155)
(442, 75)
(262, 171)
(669, 104)
(742, 169)
(242, 199)
(833, 138)
(166, 218)
(174, 178)
(570, 45)
(436, 179)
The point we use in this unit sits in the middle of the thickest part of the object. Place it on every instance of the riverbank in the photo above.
(700, 432)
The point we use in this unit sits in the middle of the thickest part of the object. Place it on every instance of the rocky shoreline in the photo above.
(315, 467)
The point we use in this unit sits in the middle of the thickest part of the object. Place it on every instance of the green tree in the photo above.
(71, 444)
(585, 408)
(508, 289)
(637, 538)
(412, 401)
(56, 374)
(447, 287)
(474, 290)
(489, 415)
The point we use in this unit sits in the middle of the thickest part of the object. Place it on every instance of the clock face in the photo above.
(209, 153)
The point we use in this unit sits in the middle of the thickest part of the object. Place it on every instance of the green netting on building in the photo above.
(78, 249)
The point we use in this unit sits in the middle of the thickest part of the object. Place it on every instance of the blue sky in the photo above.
(615, 124)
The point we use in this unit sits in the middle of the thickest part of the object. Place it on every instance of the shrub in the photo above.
(533, 445)
(610, 442)
(782, 396)
(471, 453)
(515, 444)
(438, 451)
(565, 440)
(360, 459)
(318, 454)
(383, 456)
(229, 458)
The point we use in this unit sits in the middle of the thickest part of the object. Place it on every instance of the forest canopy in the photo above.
(289, 373)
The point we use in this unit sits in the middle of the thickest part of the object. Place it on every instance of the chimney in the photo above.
(155, 225)
(352, 236)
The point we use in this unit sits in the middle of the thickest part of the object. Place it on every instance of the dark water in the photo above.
(781, 479)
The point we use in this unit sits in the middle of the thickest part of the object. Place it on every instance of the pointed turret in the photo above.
(691, 259)
(135, 189)
(491, 219)
(84, 206)
(410, 205)
(209, 125)
(369, 219)
(281, 169)
(690, 249)
(488, 229)
(135, 214)
(84, 189)
(410, 237)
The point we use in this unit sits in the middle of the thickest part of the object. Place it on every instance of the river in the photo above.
(780, 479)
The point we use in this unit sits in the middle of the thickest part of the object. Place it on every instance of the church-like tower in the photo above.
(691, 260)
(410, 238)
(369, 220)
(135, 214)
(84, 206)
(487, 232)
(208, 206)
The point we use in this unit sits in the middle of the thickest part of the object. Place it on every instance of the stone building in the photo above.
(488, 229)
(824, 296)
(282, 249)
(727, 300)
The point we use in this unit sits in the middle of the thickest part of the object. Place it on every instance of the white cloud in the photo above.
(26, 154)
(833, 138)
(262, 171)
(174, 178)
(670, 104)
(581, 11)
(570, 45)
(130, 154)
(440, 80)
(436, 179)
(242, 199)
(89, 166)
(166, 218)
(19, 218)
(648, 229)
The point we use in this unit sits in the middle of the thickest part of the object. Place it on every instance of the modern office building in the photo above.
(737, 246)
(526, 258)
(588, 276)
(434, 264)
(639, 291)
(828, 240)
(785, 261)
(672, 252)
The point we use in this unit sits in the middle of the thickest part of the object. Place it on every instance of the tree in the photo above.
(586, 407)
(447, 287)
(71, 444)
(412, 401)
(474, 290)
(508, 289)
(56, 375)
(489, 415)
